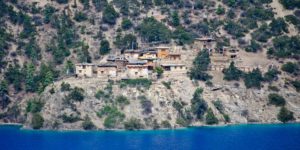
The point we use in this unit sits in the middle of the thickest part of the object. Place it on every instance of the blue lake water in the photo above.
(249, 137)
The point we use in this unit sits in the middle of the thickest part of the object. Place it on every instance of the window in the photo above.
(136, 73)
(80, 71)
(102, 72)
(83, 66)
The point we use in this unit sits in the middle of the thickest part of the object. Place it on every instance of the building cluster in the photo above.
(134, 64)
(221, 57)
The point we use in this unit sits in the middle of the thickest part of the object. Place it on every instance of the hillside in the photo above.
(41, 41)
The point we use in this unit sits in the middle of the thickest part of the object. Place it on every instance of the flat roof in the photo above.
(172, 64)
(134, 61)
(205, 39)
(107, 65)
(84, 64)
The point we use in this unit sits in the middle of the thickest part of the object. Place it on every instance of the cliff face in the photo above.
(155, 106)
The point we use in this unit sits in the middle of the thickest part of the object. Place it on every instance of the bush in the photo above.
(167, 84)
(253, 79)
(290, 4)
(152, 30)
(235, 29)
(126, 24)
(104, 47)
(259, 13)
(146, 105)
(65, 87)
(219, 105)
(262, 34)
(87, 124)
(200, 66)
(253, 47)
(133, 124)
(271, 75)
(210, 117)
(285, 115)
(62, 1)
(122, 100)
(276, 99)
(226, 118)
(220, 10)
(146, 83)
(159, 71)
(232, 73)
(284, 46)
(110, 15)
(296, 84)
(113, 116)
(70, 118)
(37, 121)
(182, 121)
(34, 106)
(76, 94)
(182, 36)
(166, 124)
(278, 27)
(80, 16)
(290, 67)
(198, 104)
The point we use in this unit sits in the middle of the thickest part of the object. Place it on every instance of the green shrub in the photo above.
(87, 124)
(290, 67)
(271, 75)
(80, 16)
(220, 10)
(226, 118)
(133, 124)
(219, 105)
(182, 121)
(235, 29)
(159, 71)
(126, 24)
(113, 116)
(278, 26)
(198, 104)
(146, 105)
(296, 84)
(104, 47)
(70, 118)
(166, 124)
(182, 36)
(167, 84)
(285, 115)
(65, 87)
(37, 121)
(286, 47)
(152, 30)
(100, 94)
(200, 66)
(253, 47)
(210, 117)
(110, 15)
(122, 100)
(232, 73)
(262, 34)
(276, 99)
(290, 4)
(76, 94)
(253, 79)
(146, 83)
(34, 106)
(273, 88)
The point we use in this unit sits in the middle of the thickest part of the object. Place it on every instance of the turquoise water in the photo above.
(249, 137)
